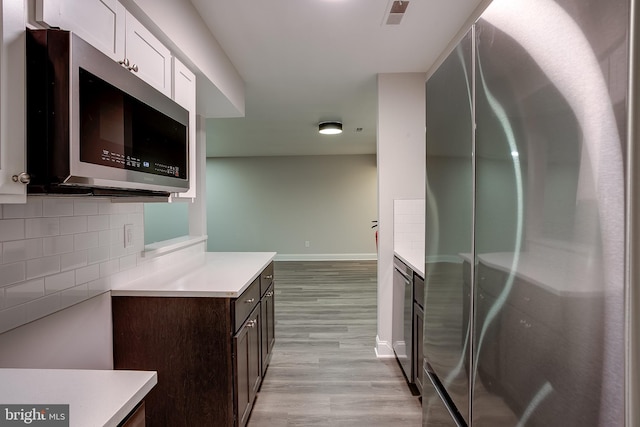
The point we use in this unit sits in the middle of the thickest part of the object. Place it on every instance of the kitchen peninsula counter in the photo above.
(216, 274)
(95, 397)
(207, 326)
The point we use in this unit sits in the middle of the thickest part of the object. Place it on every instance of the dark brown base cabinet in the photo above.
(248, 376)
(208, 353)
(135, 418)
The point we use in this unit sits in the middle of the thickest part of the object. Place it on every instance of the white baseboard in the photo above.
(384, 349)
(326, 257)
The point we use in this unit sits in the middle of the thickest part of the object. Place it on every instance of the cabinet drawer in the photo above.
(245, 303)
(266, 279)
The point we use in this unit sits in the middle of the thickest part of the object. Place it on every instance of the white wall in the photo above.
(164, 221)
(401, 175)
(76, 338)
(279, 203)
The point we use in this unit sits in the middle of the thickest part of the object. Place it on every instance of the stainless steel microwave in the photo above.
(93, 127)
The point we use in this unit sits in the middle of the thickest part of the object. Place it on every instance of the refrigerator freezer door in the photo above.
(549, 225)
(448, 227)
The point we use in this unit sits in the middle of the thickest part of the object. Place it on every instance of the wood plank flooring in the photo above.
(324, 371)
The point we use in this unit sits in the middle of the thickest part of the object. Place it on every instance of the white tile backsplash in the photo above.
(109, 268)
(57, 245)
(73, 260)
(42, 227)
(99, 286)
(57, 206)
(13, 317)
(85, 207)
(31, 209)
(87, 274)
(127, 262)
(12, 273)
(74, 295)
(118, 250)
(44, 266)
(117, 221)
(73, 225)
(86, 240)
(56, 252)
(408, 223)
(97, 222)
(21, 250)
(59, 282)
(12, 229)
(97, 255)
(24, 292)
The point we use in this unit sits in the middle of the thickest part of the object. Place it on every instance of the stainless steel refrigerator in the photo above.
(528, 223)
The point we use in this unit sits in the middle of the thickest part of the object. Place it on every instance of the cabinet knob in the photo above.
(22, 178)
(269, 276)
(124, 62)
(270, 294)
(250, 301)
(252, 324)
(134, 68)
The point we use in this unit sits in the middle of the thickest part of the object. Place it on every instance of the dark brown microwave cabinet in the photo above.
(206, 350)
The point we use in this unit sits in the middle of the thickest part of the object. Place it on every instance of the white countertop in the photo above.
(219, 274)
(413, 257)
(95, 398)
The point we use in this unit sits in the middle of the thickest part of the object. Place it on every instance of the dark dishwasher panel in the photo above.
(403, 319)
(418, 322)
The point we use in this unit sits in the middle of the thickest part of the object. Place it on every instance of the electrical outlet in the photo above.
(307, 243)
(128, 235)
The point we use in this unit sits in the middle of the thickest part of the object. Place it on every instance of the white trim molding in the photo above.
(383, 349)
(326, 257)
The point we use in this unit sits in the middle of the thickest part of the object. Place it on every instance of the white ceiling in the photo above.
(305, 61)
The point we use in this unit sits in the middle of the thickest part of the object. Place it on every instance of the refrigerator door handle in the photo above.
(437, 385)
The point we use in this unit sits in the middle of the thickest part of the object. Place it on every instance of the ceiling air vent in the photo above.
(396, 12)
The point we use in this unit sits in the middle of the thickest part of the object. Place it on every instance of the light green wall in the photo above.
(164, 221)
(278, 203)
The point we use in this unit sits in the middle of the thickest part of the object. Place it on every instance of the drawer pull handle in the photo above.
(269, 276)
(250, 301)
(270, 294)
(252, 324)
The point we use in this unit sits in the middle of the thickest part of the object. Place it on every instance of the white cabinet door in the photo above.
(108, 26)
(184, 93)
(99, 22)
(12, 102)
(152, 58)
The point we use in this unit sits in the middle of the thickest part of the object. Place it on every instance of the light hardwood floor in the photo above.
(324, 371)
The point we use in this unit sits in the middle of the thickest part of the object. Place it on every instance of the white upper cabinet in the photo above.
(108, 26)
(147, 56)
(184, 93)
(12, 103)
(99, 22)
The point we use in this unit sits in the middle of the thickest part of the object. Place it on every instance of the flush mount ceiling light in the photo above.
(330, 128)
